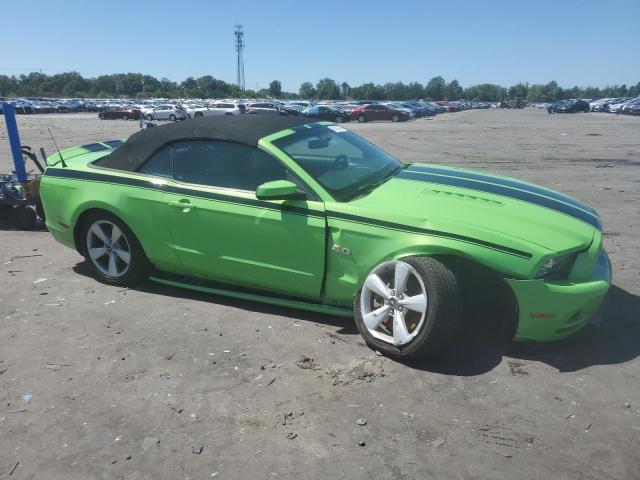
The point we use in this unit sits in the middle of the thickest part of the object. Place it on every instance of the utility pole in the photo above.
(239, 34)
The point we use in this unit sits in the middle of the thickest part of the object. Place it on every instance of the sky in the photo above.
(584, 43)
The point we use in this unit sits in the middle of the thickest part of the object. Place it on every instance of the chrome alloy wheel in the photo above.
(108, 249)
(393, 302)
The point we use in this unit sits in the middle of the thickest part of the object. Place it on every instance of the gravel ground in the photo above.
(161, 383)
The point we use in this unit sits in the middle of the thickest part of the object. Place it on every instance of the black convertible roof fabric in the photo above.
(246, 129)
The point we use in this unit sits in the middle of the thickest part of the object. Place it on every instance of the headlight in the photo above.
(556, 267)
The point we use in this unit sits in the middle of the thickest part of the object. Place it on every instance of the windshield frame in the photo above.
(353, 190)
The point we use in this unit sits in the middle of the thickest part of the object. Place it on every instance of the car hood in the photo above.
(475, 205)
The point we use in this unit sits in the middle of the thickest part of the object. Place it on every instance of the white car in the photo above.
(167, 112)
(215, 109)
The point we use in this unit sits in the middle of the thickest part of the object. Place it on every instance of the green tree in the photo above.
(435, 89)
(345, 89)
(453, 90)
(275, 89)
(327, 89)
(307, 91)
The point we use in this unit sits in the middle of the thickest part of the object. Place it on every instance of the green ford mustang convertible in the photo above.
(308, 215)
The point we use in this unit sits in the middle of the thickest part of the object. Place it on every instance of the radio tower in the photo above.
(239, 33)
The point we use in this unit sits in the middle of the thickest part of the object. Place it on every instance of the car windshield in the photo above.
(345, 164)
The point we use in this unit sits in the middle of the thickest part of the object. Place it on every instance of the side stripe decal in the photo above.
(506, 192)
(143, 183)
(426, 231)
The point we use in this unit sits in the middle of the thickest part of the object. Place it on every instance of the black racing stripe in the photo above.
(426, 231)
(143, 183)
(506, 192)
(99, 177)
(95, 147)
(501, 181)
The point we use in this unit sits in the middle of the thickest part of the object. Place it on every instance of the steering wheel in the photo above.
(340, 163)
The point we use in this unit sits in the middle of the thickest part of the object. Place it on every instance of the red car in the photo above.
(117, 113)
(375, 111)
(449, 106)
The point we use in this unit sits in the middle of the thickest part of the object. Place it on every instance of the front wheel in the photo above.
(339, 119)
(409, 308)
(172, 117)
(361, 119)
(395, 118)
(148, 117)
(112, 250)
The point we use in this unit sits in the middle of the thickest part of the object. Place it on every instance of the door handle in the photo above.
(185, 205)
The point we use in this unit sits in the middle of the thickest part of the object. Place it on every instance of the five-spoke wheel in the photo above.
(393, 309)
(112, 250)
(108, 248)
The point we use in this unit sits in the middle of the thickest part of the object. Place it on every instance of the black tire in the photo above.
(148, 117)
(172, 117)
(23, 217)
(362, 119)
(101, 116)
(139, 265)
(443, 315)
(395, 118)
(197, 114)
(339, 119)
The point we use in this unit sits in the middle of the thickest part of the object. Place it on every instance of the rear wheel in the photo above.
(172, 117)
(395, 118)
(101, 116)
(148, 117)
(112, 250)
(198, 114)
(409, 308)
(23, 217)
(339, 119)
(361, 119)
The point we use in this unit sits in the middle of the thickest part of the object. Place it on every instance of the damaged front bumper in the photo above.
(550, 311)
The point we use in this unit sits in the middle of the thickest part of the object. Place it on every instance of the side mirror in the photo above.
(279, 190)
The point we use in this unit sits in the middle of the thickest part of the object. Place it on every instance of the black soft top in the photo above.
(245, 129)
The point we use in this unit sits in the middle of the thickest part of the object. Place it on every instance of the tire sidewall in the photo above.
(422, 344)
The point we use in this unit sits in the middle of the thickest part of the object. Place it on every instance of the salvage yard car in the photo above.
(306, 214)
(119, 113)
(569, 106)
(167, 112)
(377, 111)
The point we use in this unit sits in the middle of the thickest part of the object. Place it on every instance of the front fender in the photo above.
(354, 249)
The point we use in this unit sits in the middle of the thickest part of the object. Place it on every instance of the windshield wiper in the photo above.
(369, 187)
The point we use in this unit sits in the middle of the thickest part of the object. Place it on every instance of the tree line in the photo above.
(138, 85)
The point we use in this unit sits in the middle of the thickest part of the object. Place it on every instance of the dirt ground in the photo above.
(162, 383)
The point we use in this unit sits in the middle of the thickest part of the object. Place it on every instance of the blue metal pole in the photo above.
(14, 141)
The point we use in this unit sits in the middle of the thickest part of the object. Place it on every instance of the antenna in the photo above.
(239, 33)
(56, 145)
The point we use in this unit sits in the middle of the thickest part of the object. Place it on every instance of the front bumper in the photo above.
(550, 311)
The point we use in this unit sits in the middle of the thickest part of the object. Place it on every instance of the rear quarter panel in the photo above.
(65, 200)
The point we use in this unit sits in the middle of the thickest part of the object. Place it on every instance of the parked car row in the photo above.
(180, 109)
(621, 105)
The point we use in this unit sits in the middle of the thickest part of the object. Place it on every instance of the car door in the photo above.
(373, 112)
(222, 231)
(161, 112)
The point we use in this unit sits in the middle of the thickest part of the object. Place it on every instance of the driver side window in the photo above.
(224, 164)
